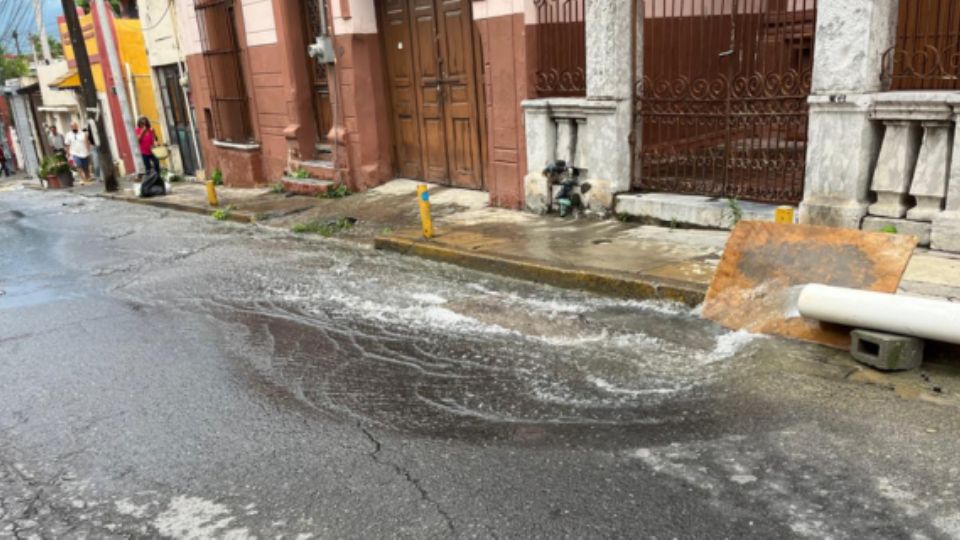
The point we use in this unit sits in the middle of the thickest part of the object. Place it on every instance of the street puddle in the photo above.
(483, 365)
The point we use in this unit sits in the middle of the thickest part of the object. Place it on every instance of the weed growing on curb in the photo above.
(736, 211)
(889, 229)
(336, 191)
(217, 177)
(326, 230)
(277, 188)
(222, 214)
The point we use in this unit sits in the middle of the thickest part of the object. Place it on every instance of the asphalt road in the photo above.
(164, 374)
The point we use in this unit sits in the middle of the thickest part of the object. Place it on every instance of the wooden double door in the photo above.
(432, 71)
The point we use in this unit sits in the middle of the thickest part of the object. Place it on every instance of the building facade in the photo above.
(697, 111)
(176, 118)
(428, 90)
(674, 110)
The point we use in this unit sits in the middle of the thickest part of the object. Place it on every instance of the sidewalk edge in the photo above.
(641, 288)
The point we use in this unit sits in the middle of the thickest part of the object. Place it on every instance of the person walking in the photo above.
(79, 145)
(147, 139)
(57, 142)
(94, 154)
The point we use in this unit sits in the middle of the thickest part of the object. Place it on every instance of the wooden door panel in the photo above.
(461, 113)
(426, 64)
(403, 88)
(430, 56)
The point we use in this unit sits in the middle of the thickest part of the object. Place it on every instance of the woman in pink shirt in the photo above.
(147, 138)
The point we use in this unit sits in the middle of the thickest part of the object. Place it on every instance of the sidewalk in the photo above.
(609, 257)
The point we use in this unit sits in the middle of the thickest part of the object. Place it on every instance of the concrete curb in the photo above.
(237, 216)
(640, 288)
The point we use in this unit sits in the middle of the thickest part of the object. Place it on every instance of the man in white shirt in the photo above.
(57, 142)
(79, 147)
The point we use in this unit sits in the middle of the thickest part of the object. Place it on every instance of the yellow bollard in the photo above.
(212, 193)
(783, 214)
(423, 196)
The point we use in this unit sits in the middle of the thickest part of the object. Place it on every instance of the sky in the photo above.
(51, 10)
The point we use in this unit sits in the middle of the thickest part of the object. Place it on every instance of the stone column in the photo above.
(842, 142)
(541, 139)
(566, 140)
(930, 179)
(606, 143)
(895, 168)
(946, 226)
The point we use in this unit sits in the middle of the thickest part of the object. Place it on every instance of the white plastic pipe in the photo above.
(937, 320)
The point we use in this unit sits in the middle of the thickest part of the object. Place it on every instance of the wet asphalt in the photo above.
(164, 374)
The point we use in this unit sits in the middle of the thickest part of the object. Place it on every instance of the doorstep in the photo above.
(691, 210)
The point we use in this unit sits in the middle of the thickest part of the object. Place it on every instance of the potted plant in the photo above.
(56, 170)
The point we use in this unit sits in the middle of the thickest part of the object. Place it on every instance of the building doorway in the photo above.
(432, 63)
(177, 117)
(319, 82)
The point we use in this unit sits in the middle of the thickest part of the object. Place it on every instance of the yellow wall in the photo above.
(132, 52)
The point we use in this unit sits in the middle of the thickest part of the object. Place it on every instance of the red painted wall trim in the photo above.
(110, 84)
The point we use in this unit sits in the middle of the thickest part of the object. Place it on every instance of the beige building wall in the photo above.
(159, 31)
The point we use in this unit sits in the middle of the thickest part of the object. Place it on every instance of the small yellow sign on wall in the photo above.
(783, 214)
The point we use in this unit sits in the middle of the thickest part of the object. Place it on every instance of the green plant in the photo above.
(336, 191)
(217, 177)
(115, 4)
(673, 224)
(386, 231)
(222, 214)
(176, 178)
(300, 174)
(54, 165)
(278, 188)
(12, 66)
(327, 229)
(623, 217)
(736, 211)
(889, 229)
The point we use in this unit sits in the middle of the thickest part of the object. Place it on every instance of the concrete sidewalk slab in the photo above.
(602, 256)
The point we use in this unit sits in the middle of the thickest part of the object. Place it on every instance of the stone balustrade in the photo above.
(915, 167)
(581, 131)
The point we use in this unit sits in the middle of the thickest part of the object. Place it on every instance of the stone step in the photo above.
(306, 186)
(319, 169)
(691, 210)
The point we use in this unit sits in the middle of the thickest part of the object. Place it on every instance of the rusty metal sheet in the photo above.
(765, 265)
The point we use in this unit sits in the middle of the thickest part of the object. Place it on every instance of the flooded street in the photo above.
(164, 374)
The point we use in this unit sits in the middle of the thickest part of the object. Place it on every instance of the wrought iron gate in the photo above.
(721, 106)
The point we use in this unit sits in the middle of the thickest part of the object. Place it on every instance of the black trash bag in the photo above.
(152, 185)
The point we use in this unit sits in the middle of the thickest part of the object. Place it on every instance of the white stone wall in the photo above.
(158, 21)
(186, 18)
(362, 18)
(259, 23)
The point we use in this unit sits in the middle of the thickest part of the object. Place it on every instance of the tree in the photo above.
(115, 4)
(56, 48)
(12, 66)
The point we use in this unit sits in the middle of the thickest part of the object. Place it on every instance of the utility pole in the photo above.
(89, 93)
(119, 88)
(41, 31)
(16, 42)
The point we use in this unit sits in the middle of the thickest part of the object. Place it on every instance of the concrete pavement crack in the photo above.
(405, 474)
